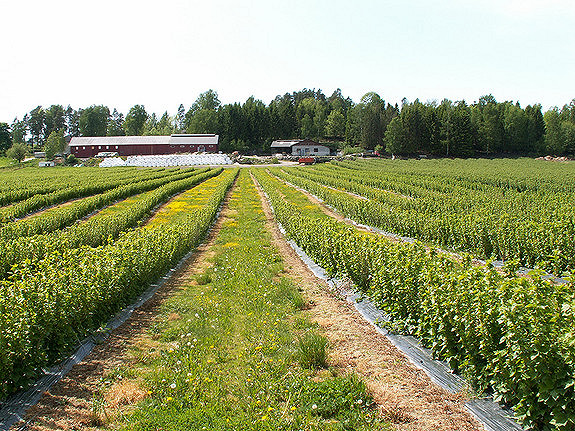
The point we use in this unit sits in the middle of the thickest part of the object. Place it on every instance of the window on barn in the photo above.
(315, 150)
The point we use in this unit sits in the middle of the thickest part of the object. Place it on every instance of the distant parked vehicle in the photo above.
(306, 160)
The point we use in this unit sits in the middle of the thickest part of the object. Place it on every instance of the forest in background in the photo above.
(447, 128)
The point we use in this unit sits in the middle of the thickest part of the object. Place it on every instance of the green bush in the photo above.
(312, 350)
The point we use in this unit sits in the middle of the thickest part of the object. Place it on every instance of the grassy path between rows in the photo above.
(222, 344)
(229, 350)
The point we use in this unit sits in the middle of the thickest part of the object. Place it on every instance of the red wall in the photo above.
(85, 151)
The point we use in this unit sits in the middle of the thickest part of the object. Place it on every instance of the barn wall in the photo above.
(310, 150)
(85, 151)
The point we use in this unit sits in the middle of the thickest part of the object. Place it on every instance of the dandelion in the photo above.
(360, 402)
(173, 386)
(293, 408)
(169, 399)
(314, 407)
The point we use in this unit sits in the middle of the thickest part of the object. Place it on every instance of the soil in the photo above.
(405, 395)
(68, 404)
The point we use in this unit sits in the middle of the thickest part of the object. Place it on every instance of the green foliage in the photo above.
(93, 121)
(116, 124)
(226, 362)
(335, 124)
(203, 121)
(18, 152)
(452, 129)
(512, 335)
(352, 150)
(460, 205)
(312, 350)
(55, 144)
(36, 191)
(71, 160)
(135, 120)
(51, 302)
(5, 138)
(18, 130)
(203, 279)
(100, 228)
(59, 218)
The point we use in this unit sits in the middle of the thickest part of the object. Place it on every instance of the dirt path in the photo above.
(53, 207)
(405, 394)
(68, 405)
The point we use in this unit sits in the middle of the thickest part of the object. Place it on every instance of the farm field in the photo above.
(507, 334)
(520, 210)
(227, 344)
(55, 295)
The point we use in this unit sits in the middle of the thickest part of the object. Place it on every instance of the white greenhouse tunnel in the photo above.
(167, 160)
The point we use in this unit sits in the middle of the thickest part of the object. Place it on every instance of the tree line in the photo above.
(443, 129)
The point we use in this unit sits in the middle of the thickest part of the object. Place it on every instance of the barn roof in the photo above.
(201, 139)
(288, 143)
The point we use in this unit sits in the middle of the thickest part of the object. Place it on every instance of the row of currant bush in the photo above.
(61, 217)
(480, 223)
(97, 229)
(31, 193)
(513, 336)
(49, 305)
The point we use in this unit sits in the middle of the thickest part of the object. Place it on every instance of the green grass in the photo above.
(225, 350)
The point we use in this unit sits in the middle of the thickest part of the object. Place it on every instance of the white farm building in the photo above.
(300, 147)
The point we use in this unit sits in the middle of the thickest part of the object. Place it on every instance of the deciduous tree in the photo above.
(335, 124)
(18, 151)
(93, 121)
(55, 144)
(135, 120)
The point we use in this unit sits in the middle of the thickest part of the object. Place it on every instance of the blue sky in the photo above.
(163, 53)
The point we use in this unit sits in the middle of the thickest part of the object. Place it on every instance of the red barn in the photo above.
(84, 147)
